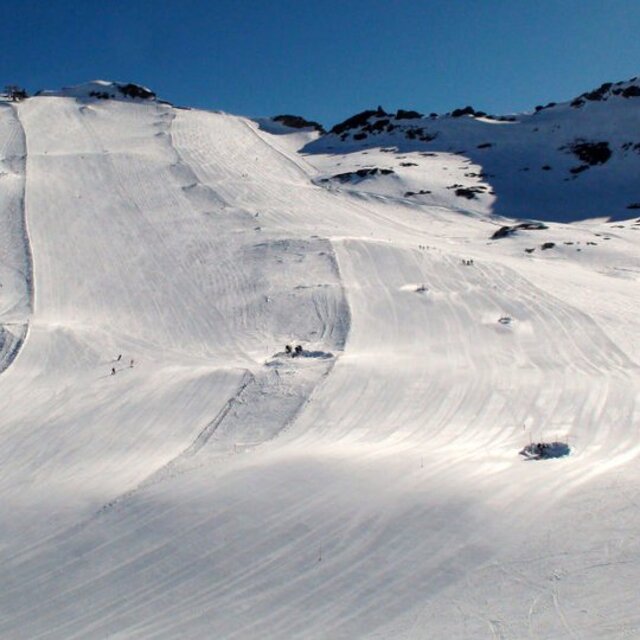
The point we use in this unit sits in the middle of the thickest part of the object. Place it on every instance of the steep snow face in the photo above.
(171, 469)
(565, 162)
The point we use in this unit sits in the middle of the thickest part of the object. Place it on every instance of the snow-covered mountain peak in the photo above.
(617, 90)
(102, 90)
(564, 162)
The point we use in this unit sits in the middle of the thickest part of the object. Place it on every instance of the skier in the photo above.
(131, 363)
(288, 349)
(113, 371)
(298, 350)
(119, 357)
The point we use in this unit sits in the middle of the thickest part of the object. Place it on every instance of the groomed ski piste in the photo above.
(371, 487)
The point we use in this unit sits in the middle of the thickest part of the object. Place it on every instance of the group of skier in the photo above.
(293, 351)
(119, 359)
(540, 448)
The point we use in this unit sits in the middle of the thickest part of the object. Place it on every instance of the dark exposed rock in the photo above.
(466, 111)
(506, 231)
(360, 173)
(547, 245)
(377, 126)
(135, 91)
(631, 92)
(591, 153)
(604, 92)
(630, 146)
(359, 136)
(469, 192)
(484, 145)
(599, 93)
(359, 120)
(402, 114)
(422, 192)
(298, 122)
(408, 164)
(540, 107)
(418, 133)
(579, 169)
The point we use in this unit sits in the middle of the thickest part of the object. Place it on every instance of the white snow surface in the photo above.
(102, 89)
(216, 487)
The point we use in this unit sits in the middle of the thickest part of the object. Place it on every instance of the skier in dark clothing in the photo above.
(113, 371)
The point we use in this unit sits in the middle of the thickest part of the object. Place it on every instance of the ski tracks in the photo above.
(13, 165)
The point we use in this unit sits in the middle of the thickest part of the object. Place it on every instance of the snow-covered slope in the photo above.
(170, 471)
(563, 162)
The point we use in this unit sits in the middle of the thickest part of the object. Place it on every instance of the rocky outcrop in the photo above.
(506, 231)
(359, 120)
(349, 176)
(298, 122)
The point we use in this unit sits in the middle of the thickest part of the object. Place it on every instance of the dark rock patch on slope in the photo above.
(357, 121)
(298, 122)
(131, 90)
(506, 231)
(360, 174)
(591, 153)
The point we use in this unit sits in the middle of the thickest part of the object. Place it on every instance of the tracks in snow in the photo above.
(271, 395)
(14, 320)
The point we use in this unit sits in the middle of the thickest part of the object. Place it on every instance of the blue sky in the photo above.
(326, 59)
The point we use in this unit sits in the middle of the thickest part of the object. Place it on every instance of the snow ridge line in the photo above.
(297, 162)
(8, 356)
